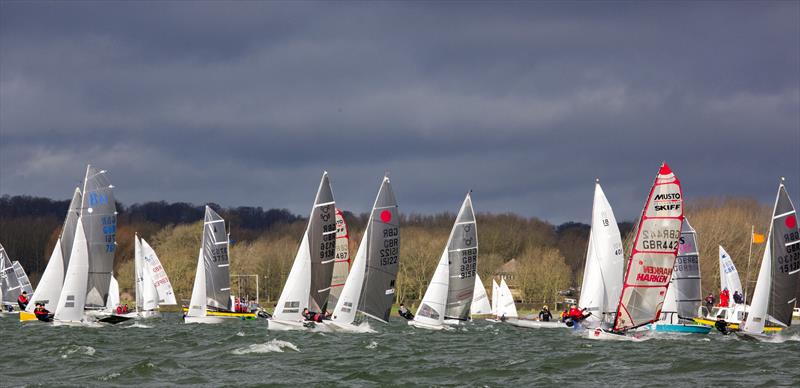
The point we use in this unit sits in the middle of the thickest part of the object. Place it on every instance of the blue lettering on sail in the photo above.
(96, 198)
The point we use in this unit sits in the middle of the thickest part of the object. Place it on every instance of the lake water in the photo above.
(165, 351)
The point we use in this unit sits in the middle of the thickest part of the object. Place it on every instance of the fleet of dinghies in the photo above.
(657, 288)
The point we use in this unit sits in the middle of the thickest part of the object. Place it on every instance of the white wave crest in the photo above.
(140, 326)
(273, 346)
(372, 345)
(86, 350)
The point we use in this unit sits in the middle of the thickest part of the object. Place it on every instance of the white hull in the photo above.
(9, 313)
(349, 327)
(282, 325)
(425, 326)
(602, 335)
(84, 323)
(537, 324)
(208, 319)
(454, 322)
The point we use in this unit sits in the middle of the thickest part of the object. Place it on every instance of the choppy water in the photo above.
(165, 351)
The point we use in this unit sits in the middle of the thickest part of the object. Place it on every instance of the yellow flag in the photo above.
(758, 238)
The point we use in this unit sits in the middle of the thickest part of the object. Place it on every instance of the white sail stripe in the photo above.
(794, 272)
(221, 243)
(325, 204)
(329, 261)
(225, 289)
(465, 222)
(223, 265)
(324, 289)
(793, 299)
(329, 232)
(213, 222)
(783, 215)
(792, 243)
(384, 207)
(462, 249)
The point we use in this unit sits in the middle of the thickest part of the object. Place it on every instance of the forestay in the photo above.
(99, 217)
(728, 275)
(462, 252)
(341, 264)
(775, 293)
(653, 255)
(217, 265)
(605, 264)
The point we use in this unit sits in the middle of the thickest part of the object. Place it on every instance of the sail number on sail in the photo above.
(661, 239)
(390, 246)
(469, 261)
(327, 248)
(791, 261)
(109, 232)
(219, 254)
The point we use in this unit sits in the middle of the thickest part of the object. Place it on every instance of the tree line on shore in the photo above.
(548, 258)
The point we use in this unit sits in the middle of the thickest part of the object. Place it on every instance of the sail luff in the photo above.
(217, 263)
(98, 214)
(321, 234)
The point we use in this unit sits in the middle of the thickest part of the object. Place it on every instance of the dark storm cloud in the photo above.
(525, 103)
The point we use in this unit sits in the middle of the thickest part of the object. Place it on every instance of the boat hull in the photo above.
(425, 326)
(604, 335)
(282, 325)
(25, 316)
(349, 327)
(734, 326)
(227, 314)
(537, 324)
(680, 328)
(208, 319)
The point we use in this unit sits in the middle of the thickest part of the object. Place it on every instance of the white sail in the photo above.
(113, 294)
(197, 305)
(605, 264)
(506, 307)
(73, 295)
(294, 297)
(347, 305)
(138, 276)
(52, 281)
(480, 301)
(495, 296)
(757, 316)
(728, 275)
(432, 307)
(157, 274)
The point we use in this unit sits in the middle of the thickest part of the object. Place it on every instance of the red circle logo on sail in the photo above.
(791, 221)
(386, 216)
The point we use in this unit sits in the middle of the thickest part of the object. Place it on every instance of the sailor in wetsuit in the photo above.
(41, 313)
(22, 301)
(404, 312)
(722, 326)
(312, 316)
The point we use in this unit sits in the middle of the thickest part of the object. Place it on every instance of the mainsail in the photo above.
(605, 264)
(309, 280)
(774, 296)
(728, 275)
(146, 293)
(653, 255)
(495, 296)
(684, 297)
(480, 301)
(157, 274)
(341, 264)
(217, 265)
(370, 284)
(22, 278)
(99, 217)
(432, 307)
(462, 252)
(9, 285)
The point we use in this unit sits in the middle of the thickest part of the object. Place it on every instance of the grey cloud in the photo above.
(526, 103)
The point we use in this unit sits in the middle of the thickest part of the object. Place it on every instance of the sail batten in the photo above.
(462, 252)
(216, 260)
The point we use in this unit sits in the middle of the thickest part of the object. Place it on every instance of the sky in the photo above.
(525, 103)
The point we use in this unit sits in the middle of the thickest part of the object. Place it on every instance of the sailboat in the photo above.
(605, 264)
(10, 286)
(72, 300)
(370, 285)
(480, 300)
(211, 293)
(50, 284)
(152, 286)
(449, 294)
(341, 264)
(684, 295)
(506, 309)
(649, 268)
(309, 282)
(775, 293)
